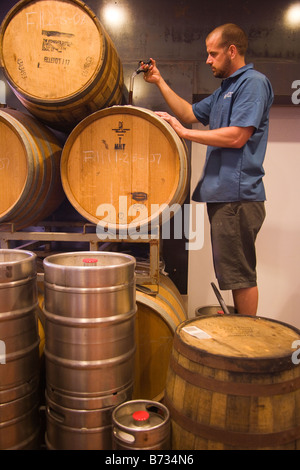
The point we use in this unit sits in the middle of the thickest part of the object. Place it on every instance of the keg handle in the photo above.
(55, 415)
(123, 436)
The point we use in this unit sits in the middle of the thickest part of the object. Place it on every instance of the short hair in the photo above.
(232, 34)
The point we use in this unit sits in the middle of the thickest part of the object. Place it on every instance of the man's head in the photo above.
(226, 48)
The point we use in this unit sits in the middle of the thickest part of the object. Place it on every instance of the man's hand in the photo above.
(177, 126)
(227, 137)
(152, 74)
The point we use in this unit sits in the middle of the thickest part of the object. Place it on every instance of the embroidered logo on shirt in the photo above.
(228, 95)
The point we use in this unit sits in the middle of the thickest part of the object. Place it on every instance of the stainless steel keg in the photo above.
(19, 367)
(78, 429)
(141, 425)
(89, 312)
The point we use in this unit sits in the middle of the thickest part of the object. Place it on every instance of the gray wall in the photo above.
(173, 32)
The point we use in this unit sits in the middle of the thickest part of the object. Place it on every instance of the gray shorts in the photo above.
(234, 227)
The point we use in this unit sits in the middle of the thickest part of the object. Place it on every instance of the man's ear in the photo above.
(233, 51)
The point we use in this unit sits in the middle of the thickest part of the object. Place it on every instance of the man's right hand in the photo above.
(152, 74)
(180, 107)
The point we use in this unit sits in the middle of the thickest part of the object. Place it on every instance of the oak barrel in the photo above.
(124, 168)
(233, 384)
(29, 169)
(159, 311)
(59, 60)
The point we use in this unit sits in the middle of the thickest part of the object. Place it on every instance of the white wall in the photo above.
(278, 249)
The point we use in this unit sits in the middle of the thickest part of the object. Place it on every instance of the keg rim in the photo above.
(27, 255)
(49, 261)
(142, 402)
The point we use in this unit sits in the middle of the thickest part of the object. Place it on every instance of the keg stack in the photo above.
(64, 69)
(90, 346)
(19, 354)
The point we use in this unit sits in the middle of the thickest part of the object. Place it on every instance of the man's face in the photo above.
(219, 58)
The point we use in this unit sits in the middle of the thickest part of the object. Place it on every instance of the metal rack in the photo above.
(39, 239)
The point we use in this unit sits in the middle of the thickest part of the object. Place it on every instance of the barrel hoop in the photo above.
(47, 164)
(166, 301)
(157, 308)
(90, 321)
(117, 85)
(29, 197)
(106, 50)
(34, 438)
(22, 312)
(87, 365)
(24, 138)
(33, 410)
(42, 191)
(82, 431)
(19, 391)
(234, 388)
(232, 438)
(32, 349)
(17, 283)
(177, 300)
(88, 290)
(235, 364)
(38, 158)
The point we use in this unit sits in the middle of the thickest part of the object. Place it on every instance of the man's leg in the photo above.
(234, 227)
(246, 300)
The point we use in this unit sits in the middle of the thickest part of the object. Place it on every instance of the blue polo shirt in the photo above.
(244, 99)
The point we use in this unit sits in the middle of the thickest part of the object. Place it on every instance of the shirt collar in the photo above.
(239, 72)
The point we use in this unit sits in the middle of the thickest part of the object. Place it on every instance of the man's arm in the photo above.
(181, 108)
(227, 137)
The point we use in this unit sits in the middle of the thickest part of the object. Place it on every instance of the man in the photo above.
(231, 184)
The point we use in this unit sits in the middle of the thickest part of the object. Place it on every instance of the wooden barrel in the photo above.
(59, 60)
(29, 169)
(156, 320)
(233, 384)
(125, 167)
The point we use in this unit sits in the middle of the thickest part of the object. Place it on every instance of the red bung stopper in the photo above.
(140, 416)
(89, 261)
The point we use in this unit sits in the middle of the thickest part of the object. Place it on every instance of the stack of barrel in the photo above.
(122, 168)
(62, 66)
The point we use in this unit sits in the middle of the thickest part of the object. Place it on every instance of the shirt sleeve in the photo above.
(250, 103)
(202, 110)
